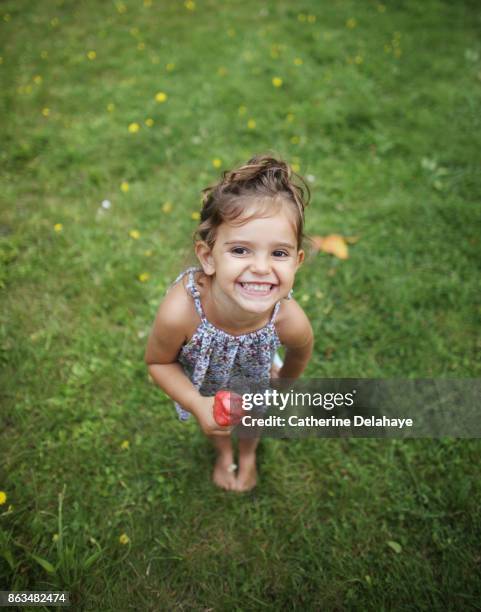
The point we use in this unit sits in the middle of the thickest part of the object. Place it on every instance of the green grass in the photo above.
(386, 122)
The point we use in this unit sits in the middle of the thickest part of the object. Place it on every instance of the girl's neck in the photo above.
(228, 316)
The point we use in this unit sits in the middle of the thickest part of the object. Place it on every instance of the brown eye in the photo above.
(239, 250)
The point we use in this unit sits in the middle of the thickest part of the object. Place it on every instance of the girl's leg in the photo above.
(247, 476)
(223, 474)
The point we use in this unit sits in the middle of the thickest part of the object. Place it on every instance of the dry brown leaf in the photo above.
(334, 244)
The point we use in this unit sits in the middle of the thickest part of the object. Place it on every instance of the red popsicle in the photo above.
(227, 408)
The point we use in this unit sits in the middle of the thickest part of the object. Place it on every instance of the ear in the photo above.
(204, 255)
(300, 258)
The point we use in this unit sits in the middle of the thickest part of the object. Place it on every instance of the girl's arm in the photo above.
(295, 333)
(165, 340)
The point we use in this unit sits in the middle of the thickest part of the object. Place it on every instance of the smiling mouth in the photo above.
(257, 289)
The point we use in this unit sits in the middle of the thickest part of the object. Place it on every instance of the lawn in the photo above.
(114, 117)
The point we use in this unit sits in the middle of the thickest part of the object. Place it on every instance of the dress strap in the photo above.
(181, 275)
(190, 286)
(194, 291)
(277, 306)
(274, 314)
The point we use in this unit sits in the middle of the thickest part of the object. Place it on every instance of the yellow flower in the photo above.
(3, 497)
(135, 234)
(37, 79)
(55, 537)
(305, 298)
(221, 71)
(189, 5)
(141, 46)
(144, 277)
(170, 66)
(121, 8)
(242, 110)
(161, 96)
(359, 59)
(298, 61)
(295, 140)
(111, 107)
(91, 55)
(149, 122)
(195, 215)
(148, 253)
(58, 227)
(134, 128)
(311, 18)
(45, 112)
(124, 186)
(167, 207)
(124, 539)
(351, 23)
(301, 17)
(295, 167)
(251, 124)
(125, 445)
(290, 117)
(277, 82)
(217, 163)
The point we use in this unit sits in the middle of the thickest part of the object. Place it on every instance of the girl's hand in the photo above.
(204, 413)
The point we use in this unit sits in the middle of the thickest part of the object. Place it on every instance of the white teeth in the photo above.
(260, 287)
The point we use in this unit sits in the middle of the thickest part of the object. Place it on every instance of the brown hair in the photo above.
(264, 178)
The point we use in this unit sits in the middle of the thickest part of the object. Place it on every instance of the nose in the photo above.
(261, 264)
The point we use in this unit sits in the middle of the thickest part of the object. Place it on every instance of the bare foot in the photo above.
(247, 477)
(224, 473)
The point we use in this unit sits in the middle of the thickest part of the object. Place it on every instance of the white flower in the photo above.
(311, 178)
(106, 204)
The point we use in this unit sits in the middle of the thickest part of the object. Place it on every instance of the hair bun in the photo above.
(256, 168)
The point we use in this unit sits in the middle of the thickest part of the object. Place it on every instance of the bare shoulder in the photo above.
(292, 325)
(172, 325)
(176, 305)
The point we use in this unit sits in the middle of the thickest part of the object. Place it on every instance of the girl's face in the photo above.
(254, 264)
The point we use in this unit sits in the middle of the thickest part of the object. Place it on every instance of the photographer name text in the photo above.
(311, 421)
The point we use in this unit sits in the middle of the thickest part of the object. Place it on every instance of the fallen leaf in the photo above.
(334, 244)
(397, 548)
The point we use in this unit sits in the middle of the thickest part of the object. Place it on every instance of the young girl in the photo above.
(227, 318)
